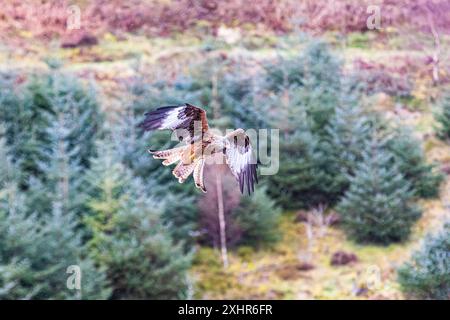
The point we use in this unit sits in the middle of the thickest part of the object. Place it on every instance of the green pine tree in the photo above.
(25, 125)
(305, 177)
(58, 247)
(8, 172)
(427, 275)
(410, 158)
(443, 117)
(29, 110)
(128, 237)
(346, 136)
(309, 82)
(35, 253)
(18, 235)
(179, 211)
(258, 219)
(62, 175)
(377, 206)
(66, 97)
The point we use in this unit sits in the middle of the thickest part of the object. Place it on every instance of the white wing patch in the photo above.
(242, 163)
(172, 121)
(192, 120)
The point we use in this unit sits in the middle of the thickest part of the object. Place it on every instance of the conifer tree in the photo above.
(427, 274)
(35, 253)
(25, 125)
(18, 233)
(443, 117)
(128, 237)
(305, 177)
(59, 247)
(62, 174)
(258, 219)
(65, 96)
(309, 82)
(241, 103)
(377, 206)
(346, 136)
(410, 158)
(8, 172)
(29, 110)
(179, 210)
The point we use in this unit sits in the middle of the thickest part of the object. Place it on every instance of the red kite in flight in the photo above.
(201, 143)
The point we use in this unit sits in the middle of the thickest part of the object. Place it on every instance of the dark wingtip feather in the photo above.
(255, 173)
(247, 179)
(154, 118)
(152, 121)
(249, 182)
(241, 182)
(165, 108)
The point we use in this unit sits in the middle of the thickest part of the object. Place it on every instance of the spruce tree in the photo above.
(18, 235)
(258, 218)
(410, 158)
(128, 237)
(427, 274)
(377, 206)
(25, 125)
(179, 210)
(322, 83)
(240, 100)
(309, 82)
(35, 253)
(59, 247)
(29, 110)
(443, 117)
(346, 136)
(305, 177)
(9, 171)
(66, 97)
(62, 174)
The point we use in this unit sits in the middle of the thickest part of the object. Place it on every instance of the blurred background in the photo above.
(359, 90)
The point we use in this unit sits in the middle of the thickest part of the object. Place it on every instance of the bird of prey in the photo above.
(191, 126)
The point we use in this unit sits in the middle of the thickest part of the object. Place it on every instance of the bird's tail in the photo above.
(170, 156)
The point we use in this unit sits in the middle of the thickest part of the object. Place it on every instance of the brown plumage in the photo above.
(191, 126)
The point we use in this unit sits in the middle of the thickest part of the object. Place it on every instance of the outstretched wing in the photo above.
(240, 159)
(184, 117)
